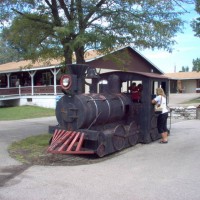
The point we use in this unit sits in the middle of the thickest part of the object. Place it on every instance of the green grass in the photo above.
(25, 112)
(30, 149)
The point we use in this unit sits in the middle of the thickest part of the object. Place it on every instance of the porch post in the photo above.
(8, 80)
(54, 72)
(32, 74)
(19, 90)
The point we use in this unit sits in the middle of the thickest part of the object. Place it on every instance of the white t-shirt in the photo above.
(162, 103)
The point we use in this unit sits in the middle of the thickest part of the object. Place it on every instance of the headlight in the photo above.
(66, 82)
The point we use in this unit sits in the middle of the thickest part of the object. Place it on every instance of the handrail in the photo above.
(27, 90)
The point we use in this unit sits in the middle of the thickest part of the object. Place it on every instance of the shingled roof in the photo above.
(183, 75)
(92, 57)
(17, 66)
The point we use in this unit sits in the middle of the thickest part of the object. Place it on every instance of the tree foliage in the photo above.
(196, 22)
(7, 53)
(196, 29)
(185, 69)
(196, 65)
(55, 28)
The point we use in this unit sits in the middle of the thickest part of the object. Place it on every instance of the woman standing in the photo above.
(160, 101)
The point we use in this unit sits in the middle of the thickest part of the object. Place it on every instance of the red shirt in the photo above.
(135, 93)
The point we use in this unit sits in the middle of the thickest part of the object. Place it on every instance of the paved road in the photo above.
(11, 131)
(144, 172)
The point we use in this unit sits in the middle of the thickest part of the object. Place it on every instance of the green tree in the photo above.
(185, 69)
(7, 54)
(196, 65)
(55, 28)
(196, 29)
(196, 22)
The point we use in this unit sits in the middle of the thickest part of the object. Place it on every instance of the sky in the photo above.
(186, 49)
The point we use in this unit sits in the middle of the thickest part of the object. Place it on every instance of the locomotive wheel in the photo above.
(154, 134)
(119, 137)
(101, 150)
(133, 133)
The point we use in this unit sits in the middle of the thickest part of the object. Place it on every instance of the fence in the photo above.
(29, 90)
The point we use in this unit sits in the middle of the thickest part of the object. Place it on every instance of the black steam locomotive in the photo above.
(106, 119)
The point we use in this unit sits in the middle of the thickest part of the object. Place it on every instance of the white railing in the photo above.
(29, 90)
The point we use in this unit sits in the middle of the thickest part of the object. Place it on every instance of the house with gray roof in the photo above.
(184, 82)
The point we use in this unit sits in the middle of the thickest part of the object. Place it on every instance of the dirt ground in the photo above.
(48, 159)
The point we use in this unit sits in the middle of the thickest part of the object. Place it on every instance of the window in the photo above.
(103, 86)
(46, 78)
(29, 99)
(13, 80)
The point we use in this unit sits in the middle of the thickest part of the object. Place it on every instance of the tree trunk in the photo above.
(67, 58)
(80, 55)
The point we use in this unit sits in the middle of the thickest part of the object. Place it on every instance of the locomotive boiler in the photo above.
(106, 119)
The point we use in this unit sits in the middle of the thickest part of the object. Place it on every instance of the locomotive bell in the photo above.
(92, 73)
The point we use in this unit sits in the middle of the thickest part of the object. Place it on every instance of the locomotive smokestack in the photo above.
(79, 70)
